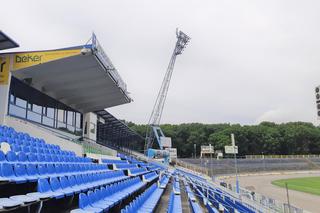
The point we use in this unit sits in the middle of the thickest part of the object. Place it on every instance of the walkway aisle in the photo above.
(164, 200)
(184, 199)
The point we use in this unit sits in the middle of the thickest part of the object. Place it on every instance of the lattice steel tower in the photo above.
(153, 129)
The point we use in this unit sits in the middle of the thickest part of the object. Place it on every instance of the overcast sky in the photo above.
(248, 61)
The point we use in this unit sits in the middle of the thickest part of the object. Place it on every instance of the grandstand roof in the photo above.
(6, 42)
(80, 77)
(114, 129)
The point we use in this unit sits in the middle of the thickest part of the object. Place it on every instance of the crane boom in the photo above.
(153, 129)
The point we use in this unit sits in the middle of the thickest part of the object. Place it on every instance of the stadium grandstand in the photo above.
(61, 151)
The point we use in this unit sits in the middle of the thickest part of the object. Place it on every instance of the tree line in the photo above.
(264, 138)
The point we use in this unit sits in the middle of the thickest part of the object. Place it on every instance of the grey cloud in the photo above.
(247, 61)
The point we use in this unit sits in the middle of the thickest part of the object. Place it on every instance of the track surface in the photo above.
(262, 184)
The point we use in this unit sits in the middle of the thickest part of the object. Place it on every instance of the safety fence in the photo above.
(281, 156)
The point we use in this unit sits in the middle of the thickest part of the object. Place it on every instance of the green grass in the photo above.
(308, 184)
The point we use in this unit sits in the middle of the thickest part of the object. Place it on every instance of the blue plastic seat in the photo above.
(51, 170)
(45, 191)
(85, 203)
(22, 157)
(21, 172)
(11, 156)
(2, 178)
(25, 149)
(105, 194)
(48, 158)
(42, 170)
(58, 168)
(65, 169)
(56, 187)
(8, 173)
(15, 148)
(33, 150)
(96, 201)
(41, 158)
(26, 143)
(76, 185)
(32, 158)
(32, 171)
(66, 186)
(2, 157)
(54, 158)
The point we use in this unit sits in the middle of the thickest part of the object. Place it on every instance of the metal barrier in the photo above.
(193, 167)
(281, 156)
(254, 199)
(266, 201)
(106, 62)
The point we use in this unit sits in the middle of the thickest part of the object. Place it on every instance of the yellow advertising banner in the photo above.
(4, 69)
(23, 60)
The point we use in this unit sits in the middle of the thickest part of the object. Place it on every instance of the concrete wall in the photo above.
(99, 157)
(49, 137)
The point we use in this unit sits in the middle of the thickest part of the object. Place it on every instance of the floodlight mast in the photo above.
(153, 128)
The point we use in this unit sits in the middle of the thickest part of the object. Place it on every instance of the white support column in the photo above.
(90, 126)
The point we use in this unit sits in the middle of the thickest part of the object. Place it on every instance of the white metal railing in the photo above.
(106, 62)
(281, 156)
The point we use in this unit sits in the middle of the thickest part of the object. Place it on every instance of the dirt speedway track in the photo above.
(261, 183)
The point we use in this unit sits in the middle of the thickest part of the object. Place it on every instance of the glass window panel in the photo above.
(34, 116)
(70, 118)
(50, 112)
(78, 120)
(17, 111)
(37, 108)
(21, 102)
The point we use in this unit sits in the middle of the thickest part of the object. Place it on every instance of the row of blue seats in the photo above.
(153, 167)
(31, 143)
(146, 202)
(176, 186)
(105, 198)
(149, 177)
(219, 198)
(164, 181)
(37, 158)
(231, 205)
(211, 209)
(194, 206)
(124, 166)
(27, 149)
(10, 133)
(144, 164)
(189, 192)
(191, 175)
(21, 173)
(112, 161)
(193, 203)
(174, 205)
(213, 203)
(62, 186)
